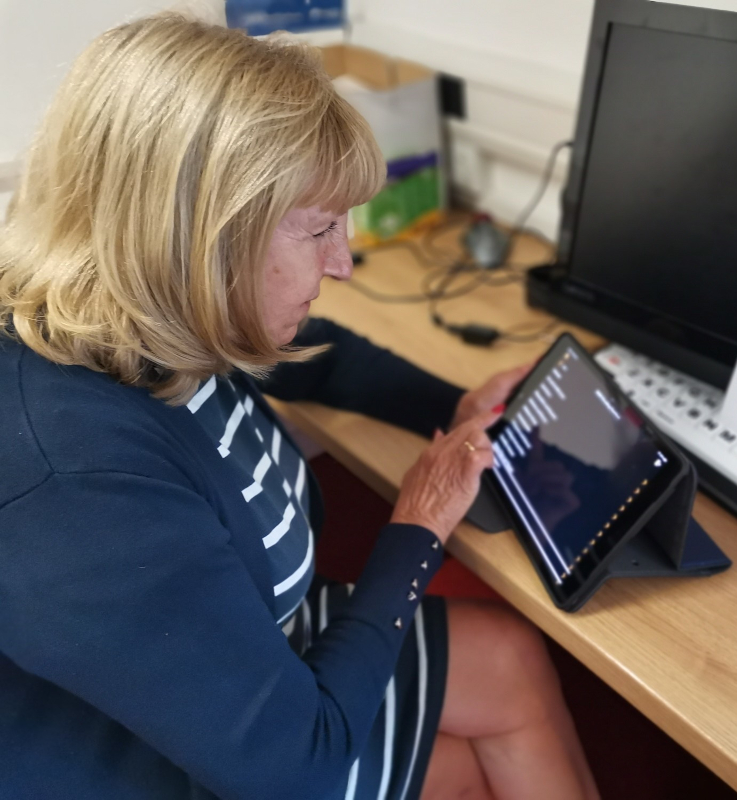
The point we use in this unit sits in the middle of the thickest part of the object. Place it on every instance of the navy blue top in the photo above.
(140, 655)
(273, 475)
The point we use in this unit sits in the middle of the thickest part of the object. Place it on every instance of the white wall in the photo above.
(523, 62)
(38, 40)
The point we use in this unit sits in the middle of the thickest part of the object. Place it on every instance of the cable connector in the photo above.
(480, 335)
(471, 333)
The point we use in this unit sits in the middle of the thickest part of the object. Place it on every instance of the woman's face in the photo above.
(308, 244)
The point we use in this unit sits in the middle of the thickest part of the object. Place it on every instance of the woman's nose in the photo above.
(339, 262)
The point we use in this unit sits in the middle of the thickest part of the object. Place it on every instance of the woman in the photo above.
(184, 198)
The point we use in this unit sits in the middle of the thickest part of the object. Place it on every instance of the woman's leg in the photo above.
(503, 695)
(455, 771)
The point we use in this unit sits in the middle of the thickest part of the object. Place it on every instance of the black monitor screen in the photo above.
(657, 224)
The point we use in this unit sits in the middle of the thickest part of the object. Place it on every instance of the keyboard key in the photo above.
(710, 424)
(728, 437)
(663, 392)
(694, 413)
(665, 416)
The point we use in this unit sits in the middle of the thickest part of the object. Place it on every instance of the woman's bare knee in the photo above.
(500, 677)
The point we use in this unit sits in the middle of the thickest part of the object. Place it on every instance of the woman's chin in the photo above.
(286, 335)
(286, 332)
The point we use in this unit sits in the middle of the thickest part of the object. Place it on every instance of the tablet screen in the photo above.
(577, 464)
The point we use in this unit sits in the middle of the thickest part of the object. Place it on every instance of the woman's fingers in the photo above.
(475, 426)
(474, 465)
(480, 454)
(479, 440)
(439, 488)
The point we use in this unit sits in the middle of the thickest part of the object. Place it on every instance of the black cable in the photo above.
(481, 277)
(472, 333)
(381, 297)
(485, 335)
(430, 293)
(475, 333)
(428, 240)
(533, 336)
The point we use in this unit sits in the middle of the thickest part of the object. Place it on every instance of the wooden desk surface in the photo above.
(668, 645)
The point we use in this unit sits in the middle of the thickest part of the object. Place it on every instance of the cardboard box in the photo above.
(399, 101)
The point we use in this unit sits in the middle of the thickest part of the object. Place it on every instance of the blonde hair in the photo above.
(134, 243)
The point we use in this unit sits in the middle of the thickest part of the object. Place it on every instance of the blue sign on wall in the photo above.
(264, 16)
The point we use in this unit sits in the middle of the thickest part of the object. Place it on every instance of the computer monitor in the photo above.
(648, 239)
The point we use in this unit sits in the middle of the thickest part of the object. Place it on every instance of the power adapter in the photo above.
(471, 333)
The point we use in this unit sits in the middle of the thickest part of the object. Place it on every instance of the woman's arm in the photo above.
(356, 375)
(128, 592)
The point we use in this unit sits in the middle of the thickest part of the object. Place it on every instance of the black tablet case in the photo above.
(666, 540)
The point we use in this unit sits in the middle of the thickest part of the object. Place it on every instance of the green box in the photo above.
(399, 207)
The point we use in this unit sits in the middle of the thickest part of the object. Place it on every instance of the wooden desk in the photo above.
(669, 646)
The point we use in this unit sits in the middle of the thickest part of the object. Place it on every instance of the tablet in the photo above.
(578, 468)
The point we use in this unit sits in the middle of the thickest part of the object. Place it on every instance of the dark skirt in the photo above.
(393, 764)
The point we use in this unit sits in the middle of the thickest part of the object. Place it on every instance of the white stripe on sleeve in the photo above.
(288, 627)
(232, 426)
(307, 625)
(300, 484)
(280, 530)
(323, 622)
(422, 681)
(275, 445)
(206, 391)
(258, 475)
(290, 613)
(299, 573)
(350, 792)
(251, 491)
(262, 468)
(390, 706)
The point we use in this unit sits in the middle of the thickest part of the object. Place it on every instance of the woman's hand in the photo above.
(491, 395)
(439, 488)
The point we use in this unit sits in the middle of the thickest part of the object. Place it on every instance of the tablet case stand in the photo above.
(670, 542)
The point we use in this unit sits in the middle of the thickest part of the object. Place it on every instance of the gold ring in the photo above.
(469, 446)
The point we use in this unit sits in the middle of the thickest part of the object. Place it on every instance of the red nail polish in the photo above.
(499, 409)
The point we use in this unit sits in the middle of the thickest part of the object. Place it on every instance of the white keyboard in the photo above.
(685, 409)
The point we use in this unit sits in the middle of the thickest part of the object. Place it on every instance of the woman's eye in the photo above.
(333, 225)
